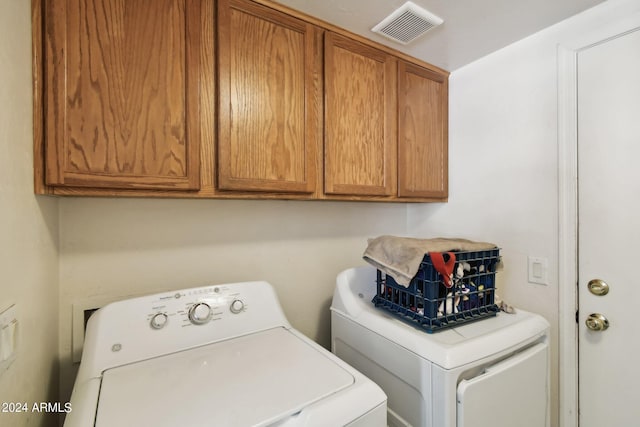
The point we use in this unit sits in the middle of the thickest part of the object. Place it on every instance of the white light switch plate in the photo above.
(538, 270)
(8, 337)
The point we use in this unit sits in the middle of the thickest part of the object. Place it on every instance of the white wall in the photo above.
(28, 232)
(121, 247)
(503, 170)
(504, 162)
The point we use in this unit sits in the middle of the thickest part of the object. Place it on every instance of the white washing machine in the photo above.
(221, 355)
(490, 373)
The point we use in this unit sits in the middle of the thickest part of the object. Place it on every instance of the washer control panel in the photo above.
(195, 307)
(165, 323)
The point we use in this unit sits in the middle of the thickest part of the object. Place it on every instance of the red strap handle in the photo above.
(445, 269)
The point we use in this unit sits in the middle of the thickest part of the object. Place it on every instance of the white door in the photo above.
(609, 230)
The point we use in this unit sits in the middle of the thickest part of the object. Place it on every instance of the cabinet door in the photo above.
(122, 93)
(270, 99)
(360, 118)
(422, 132)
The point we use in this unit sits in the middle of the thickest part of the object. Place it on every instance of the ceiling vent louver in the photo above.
(407, 23)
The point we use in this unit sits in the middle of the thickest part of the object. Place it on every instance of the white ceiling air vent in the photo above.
(407, 23)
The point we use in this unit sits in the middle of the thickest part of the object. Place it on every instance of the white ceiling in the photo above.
(471, 28)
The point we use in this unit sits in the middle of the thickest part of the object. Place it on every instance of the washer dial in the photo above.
(159, 320)
(200, 313)
(237, 305)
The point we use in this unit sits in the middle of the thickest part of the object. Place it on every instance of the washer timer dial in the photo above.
(200, 313)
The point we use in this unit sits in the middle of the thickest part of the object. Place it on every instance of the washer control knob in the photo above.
(200, 313)
(159, 320)
(236, 306)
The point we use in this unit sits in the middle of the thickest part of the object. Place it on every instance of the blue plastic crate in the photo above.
(428, 304)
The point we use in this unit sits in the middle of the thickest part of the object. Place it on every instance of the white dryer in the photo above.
(490, 373)
(221, 355)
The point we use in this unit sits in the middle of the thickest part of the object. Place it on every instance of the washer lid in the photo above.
(252, 380)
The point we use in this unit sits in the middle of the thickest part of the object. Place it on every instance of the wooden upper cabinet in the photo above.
(270, 99)
(422, 132)
(121, 93)
(229, 99)
(360, 119)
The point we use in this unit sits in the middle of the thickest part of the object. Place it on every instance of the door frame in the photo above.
(567, 55)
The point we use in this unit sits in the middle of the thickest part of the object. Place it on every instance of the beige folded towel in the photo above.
(400, 257)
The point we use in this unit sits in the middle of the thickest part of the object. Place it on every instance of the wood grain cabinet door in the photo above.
(360, 119)
(422, 132)
(122, 93)
(270, 99)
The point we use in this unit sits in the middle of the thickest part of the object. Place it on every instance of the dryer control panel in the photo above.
(149, 326)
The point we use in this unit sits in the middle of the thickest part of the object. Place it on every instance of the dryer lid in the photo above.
(252, 380)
